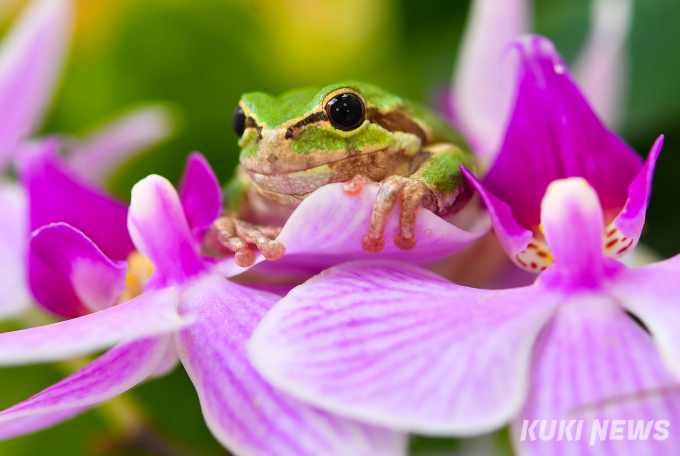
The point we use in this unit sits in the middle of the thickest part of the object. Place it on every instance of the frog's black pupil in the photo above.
(239, 121)
(346, 111)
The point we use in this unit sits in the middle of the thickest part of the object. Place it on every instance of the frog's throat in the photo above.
(295, 186)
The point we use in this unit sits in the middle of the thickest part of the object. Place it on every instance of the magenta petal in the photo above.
(632, 218)
(69, 272)
(160, 231)
(398, 346)
(328, 227)
(651, 293)
(102, 152)
(512, 237)
(200, 194)
(15, 297)
(244, 412)
(57, 196)
(152, 313)
(30, 62)
(595, 362)
(114, 372)
(554, 134)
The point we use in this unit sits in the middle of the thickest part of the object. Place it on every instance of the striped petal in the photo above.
(33, 423)
(69, 275)
(31, 57)
(149, 314)
(651, 294)
(594, 362)
(395, 345)
(244, 412)
(114, 372)
(96, 156)
(15, 297)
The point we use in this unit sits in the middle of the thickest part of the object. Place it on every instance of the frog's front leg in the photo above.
(230, 231)
(235, 235)
(437, 185)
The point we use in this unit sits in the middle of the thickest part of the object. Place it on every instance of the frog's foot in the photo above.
(413, 194)
(235, 234)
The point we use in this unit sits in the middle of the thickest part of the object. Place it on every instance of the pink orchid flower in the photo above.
(591, 340)
(187, 311)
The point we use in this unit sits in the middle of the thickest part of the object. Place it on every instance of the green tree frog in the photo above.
(351, 133)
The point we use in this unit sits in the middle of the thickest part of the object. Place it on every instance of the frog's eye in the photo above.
(239, 121)
(345, 111)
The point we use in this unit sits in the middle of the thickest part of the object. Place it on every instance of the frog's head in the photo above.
(303, 130)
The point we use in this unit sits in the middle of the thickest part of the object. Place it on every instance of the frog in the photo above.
(352, 133)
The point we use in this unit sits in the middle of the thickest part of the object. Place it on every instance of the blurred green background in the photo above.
(198, 56)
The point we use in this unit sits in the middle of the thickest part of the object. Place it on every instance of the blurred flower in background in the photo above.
(31, 58)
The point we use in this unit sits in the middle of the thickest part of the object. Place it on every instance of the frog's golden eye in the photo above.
(239, 121)
(346, 111)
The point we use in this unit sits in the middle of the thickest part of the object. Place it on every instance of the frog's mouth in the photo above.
(374, 165)
(299, 183)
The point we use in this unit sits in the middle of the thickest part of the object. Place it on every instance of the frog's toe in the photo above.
(413, 194)
(235, 235)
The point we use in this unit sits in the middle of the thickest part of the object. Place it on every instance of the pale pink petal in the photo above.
(152, 313)
(398, 346)
(595, 362)
(96, 156)
(651, 293)
(632, 218)
(328, 227)
(33, 423)
(169, 361)
(200, 194)
(483, 91)
(15, 297)
(160, 231)
(601, 69)
(70, 275)
(573, 225)
(114, 372)
(244, 412)
(511, 235)
(31, 57)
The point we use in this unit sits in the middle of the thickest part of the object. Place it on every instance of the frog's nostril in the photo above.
(239, 121)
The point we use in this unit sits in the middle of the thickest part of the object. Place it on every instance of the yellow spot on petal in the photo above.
(138, 272)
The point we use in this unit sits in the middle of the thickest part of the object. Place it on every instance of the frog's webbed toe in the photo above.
(235, 235)
(413, 194)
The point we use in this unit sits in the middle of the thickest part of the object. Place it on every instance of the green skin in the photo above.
(290, 148)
